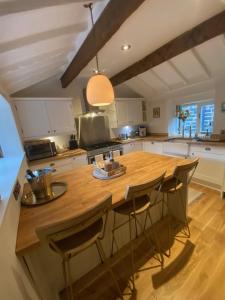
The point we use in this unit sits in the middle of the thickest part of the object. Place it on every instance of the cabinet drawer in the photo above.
(208, 149)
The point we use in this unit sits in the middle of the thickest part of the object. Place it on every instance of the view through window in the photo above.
(200, 119)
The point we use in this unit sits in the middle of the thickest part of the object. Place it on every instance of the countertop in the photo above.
(66, 154)
(155, 138)
(84, 191)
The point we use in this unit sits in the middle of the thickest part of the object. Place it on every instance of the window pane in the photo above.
(206, 118)
(190, 121)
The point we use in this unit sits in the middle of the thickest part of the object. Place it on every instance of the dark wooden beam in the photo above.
(192, 38)
(113, 16)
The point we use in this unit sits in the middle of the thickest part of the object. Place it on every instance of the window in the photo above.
(200, 119)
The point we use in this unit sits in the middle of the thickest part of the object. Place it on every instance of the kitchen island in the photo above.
(83, 192)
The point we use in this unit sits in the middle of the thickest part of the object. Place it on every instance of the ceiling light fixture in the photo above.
(125, 47)
(99, 88)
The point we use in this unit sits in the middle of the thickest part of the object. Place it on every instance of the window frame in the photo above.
(199, 105)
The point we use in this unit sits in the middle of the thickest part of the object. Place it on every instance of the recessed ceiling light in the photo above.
(125, 47)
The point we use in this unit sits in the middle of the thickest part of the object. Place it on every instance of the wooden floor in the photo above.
(195, 269)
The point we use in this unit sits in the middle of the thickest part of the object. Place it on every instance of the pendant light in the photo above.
(99, 90)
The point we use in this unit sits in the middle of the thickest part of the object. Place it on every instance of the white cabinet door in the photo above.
(33, 118)
(152, 146)
(175, 149)
(132, 147)
(211, 167)
(135, 115)
(63, 165)
(60, 115)
(79, 161)
(122, 113)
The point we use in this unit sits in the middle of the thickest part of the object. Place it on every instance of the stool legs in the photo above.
(67, 278)
(104, 261)
(184, 213)
(157, 243)
(131, 251)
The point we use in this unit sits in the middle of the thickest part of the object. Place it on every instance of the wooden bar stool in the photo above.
(139, 200)
(182, 177)
(78, 234)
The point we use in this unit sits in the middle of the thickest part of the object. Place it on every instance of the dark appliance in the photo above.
(39, 149)
(102, 148)
(72, 142)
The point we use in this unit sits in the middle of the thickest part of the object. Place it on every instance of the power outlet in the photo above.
(17, 189)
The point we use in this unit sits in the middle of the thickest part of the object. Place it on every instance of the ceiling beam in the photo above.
(192, 38)
(113, 16)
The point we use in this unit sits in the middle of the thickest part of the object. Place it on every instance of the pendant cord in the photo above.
(90, 6)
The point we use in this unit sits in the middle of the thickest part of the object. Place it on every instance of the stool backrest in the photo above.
(136, 191)
(67, 228)
(186, 171)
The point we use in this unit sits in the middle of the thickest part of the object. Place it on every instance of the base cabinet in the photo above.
(154, 147)
(132, 147)
(211, 167)
(62, 165)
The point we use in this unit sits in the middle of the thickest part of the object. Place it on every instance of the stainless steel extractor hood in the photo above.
(93, 128)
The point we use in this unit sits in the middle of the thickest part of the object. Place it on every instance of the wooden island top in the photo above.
(84, 191)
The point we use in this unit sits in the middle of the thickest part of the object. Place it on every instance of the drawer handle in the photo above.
(207, 149)
(52, 164)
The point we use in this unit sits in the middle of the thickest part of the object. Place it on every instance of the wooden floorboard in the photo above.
(195, 270)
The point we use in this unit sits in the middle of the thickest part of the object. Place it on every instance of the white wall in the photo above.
(212, 89)
(14, 283)
(219, 98)
(9, 137)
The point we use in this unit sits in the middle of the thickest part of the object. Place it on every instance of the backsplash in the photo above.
(61, 141)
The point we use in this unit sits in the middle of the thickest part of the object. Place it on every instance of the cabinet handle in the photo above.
(153, 143)
(52, 164)
(207, 149)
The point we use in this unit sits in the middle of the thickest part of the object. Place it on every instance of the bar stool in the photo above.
(78, 234)
(139, 200)
(116, 153)
(99, 158)
(182, 177)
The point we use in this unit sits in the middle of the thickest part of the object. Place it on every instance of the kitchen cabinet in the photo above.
(176, 149)
(66, 164)
(60, 115)
(40, 117)
(132, 147)
(152, 146)
(33, 118)
(211, 167)
(126, 112)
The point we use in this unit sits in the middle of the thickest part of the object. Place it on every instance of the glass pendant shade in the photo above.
(99, 91)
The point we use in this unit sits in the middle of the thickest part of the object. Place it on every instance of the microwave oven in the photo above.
(39, 149)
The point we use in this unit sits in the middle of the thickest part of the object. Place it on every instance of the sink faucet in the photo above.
(190, 132)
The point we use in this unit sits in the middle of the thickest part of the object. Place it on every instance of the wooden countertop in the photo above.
(173, 140)
(84, 191)
(66, 154)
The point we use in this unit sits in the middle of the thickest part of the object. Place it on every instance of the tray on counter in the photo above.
(29, 199)
(104, 175)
